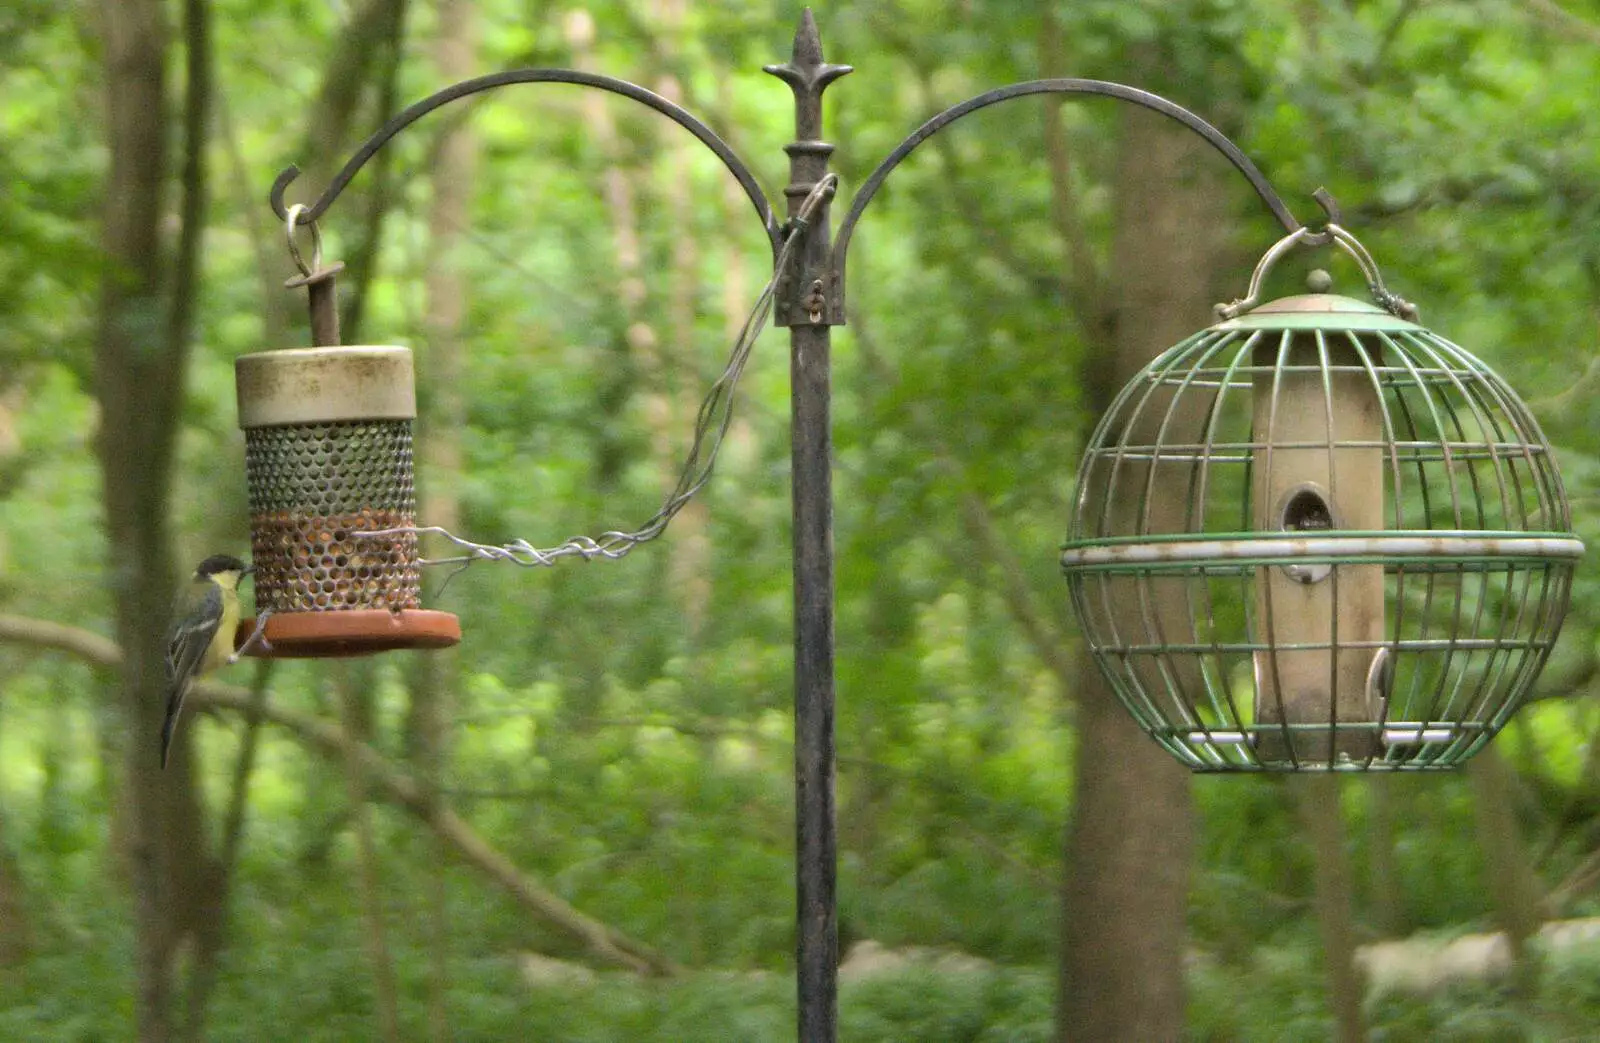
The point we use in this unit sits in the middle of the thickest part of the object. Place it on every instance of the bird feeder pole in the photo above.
(802, 305)
(1327, 475)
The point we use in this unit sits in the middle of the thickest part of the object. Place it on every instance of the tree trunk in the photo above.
(141, 346)
(1317, 801)
(1511, 879)
(361, 261)
(1388, 901)
(433, 689)
(1130, 842)
(636, 341)
(689, 566)
(213, 938)
(353, 690)
(332, 118)
(15, 933)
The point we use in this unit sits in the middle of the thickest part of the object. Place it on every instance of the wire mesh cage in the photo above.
(1318, 536)
(328, 458)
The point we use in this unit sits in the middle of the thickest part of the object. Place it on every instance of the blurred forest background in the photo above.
(578, 825)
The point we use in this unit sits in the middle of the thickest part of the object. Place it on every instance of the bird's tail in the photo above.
(169, 727)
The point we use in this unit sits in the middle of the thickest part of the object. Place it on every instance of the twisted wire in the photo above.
(710, 429)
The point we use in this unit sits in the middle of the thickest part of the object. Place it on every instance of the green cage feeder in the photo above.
(1318, 536)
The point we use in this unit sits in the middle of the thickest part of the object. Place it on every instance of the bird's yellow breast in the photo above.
(221, 647)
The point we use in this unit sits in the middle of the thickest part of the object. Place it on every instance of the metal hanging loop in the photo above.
(293, 219)
(1391, 302)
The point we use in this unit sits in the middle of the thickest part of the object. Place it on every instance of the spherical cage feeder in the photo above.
(1318, 536)
(328, 457)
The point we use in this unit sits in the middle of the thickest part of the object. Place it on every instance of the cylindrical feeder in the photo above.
(1318, 536)
(328, 455)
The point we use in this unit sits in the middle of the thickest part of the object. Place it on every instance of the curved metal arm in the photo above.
(672, 111)
(1102, 88)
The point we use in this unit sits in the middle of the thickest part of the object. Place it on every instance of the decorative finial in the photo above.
(807, 41)
(1319, 281)
(805, 70)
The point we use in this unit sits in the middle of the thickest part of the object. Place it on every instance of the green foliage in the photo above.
(622, 731)
(297, 957)
(1276, 997)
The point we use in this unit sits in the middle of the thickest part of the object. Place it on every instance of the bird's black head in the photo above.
(219, 563)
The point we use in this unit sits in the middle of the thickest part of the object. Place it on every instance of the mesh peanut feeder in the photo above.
(1318, 536)
(328, 460)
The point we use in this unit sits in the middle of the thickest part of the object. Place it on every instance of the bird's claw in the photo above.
(261, 644)
(257, 639)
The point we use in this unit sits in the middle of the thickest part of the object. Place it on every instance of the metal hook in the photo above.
(318, 281)
(294, 248)
(1329, 205)
(1333, 215)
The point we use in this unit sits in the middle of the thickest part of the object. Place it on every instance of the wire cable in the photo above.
(710, 429)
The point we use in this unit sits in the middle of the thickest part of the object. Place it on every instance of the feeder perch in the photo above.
(327, 456)
(1318, 536)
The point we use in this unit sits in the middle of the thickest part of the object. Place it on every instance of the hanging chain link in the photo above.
(710, 429)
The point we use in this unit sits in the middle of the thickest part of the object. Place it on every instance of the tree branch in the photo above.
(1581, 879)
(603, 941)
(39, 633)
(1046, 636)
(1564, 21)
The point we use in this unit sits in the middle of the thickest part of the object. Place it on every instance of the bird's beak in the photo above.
(247, 570)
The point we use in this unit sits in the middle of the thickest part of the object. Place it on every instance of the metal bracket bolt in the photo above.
(815, 301)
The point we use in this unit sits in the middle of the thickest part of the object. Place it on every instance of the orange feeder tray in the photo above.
(312, 635)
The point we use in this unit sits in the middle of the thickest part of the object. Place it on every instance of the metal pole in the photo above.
(802, 306)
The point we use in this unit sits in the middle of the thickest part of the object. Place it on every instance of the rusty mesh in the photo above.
(310, 487)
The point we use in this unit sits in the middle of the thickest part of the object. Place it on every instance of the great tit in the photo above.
(201, 638)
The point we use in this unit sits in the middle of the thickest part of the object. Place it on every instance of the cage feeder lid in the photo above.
(1318, 311)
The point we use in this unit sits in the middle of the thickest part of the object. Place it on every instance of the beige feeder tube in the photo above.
(1303, 485)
